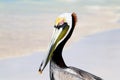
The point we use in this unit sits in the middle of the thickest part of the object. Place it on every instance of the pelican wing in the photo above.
(84, 75)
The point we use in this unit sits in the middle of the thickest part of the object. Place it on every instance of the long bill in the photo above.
(57, 36)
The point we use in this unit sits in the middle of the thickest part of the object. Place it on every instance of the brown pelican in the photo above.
(63, 29)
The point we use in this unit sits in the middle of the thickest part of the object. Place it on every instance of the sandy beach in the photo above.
(23, 32)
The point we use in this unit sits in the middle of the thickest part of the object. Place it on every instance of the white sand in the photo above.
(24, 34)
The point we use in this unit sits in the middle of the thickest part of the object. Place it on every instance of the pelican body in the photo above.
(63, 29)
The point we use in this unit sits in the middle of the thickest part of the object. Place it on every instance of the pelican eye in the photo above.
(61, 26)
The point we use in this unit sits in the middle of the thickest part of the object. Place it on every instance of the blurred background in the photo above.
(26, 28)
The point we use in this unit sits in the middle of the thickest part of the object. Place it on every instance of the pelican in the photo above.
(63, 29)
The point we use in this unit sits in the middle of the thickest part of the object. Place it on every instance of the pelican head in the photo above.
(62, 28)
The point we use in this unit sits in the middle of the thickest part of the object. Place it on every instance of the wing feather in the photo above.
(85, 75)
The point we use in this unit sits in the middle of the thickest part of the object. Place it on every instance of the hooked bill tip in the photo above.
(40, 71)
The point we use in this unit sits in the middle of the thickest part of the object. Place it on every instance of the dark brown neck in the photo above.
(57, 58)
